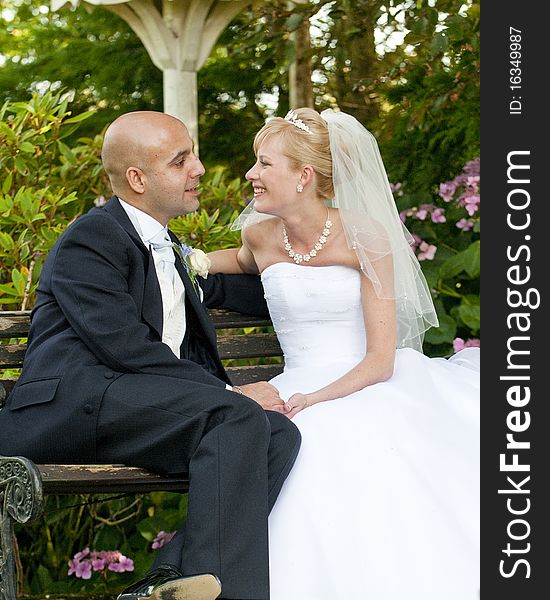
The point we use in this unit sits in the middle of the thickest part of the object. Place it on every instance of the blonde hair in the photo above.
(302, 147)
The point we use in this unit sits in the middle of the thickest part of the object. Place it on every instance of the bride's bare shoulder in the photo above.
(261, 231)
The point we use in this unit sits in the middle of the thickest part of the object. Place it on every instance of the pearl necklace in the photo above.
(298, 258)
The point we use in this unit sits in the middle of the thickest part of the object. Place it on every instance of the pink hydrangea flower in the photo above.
(86, 561)
(447, 190)
(84, 569)
(459, 344)
(427, 251)
(161, 539)
(396, 188)
(438, 215)
(465, 224)
(98, 564)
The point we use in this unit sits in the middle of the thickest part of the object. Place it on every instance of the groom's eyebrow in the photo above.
(181, 154)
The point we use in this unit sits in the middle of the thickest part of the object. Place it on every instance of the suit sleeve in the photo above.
(90, 280)
(242, 293)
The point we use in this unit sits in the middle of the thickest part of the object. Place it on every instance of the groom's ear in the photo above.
(136, 179)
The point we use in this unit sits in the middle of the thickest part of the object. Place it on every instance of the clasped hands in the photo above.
(267, 396)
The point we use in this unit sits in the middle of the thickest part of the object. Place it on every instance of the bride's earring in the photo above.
(299, 188)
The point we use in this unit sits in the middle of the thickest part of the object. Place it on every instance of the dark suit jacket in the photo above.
(98, 315)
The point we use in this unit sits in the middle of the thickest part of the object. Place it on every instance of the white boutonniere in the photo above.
(195, 261)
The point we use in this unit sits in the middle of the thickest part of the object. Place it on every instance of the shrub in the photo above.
(446, 230)
(44, 185)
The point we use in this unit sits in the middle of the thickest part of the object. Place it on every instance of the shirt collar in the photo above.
(146, 226)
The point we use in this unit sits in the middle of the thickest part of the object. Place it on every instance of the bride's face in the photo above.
(273, 180)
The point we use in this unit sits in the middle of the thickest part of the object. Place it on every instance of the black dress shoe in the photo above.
(167, 583)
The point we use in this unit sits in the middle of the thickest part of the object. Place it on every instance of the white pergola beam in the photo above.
(178, 38)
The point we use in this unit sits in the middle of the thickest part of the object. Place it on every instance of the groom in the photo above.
(122, 367)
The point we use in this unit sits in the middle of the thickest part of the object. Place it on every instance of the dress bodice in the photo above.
(316, 312)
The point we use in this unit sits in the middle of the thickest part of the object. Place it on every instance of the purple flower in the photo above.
(84, 569)
(396, 187)
(423, 211)
(100, 201)
(447, 190)
(472, 167)
(82, 554)
(85, 562)
(427, 251)
(459, 344)
(72, 566)
(185, 250)
(438, 215)
(465, 224)
(126, 563)
(162, 538)
(98, 564)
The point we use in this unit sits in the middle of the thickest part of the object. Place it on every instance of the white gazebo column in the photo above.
(181, 98)
(179, 36)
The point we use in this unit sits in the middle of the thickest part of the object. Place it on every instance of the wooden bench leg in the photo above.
(20, 501)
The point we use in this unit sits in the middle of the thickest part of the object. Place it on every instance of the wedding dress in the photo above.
(383, 501)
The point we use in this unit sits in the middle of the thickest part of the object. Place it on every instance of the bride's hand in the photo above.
(295, 404)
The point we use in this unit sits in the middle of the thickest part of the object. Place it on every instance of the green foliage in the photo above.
(220, 203)
(448, 224)
(44, 184)
(90, 51)
(430, 128)
(67, 526)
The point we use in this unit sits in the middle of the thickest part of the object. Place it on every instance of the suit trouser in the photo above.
(236, 455)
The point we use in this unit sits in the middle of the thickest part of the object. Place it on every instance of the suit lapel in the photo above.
(151, 309)
(195, 303)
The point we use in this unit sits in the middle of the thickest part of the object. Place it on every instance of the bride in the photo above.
(383, 500)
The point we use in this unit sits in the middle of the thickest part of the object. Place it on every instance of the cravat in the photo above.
(171, 289)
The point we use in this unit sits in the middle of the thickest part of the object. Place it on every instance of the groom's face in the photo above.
(172, 174)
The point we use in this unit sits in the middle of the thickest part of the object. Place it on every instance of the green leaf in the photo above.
(107, 538)
(27, 147)
(7, 131)
(20, 165)
(44, 578)
(445, 333)
(294, 21)
(19, 281)
(7, 288)
(80, 117)
(6, 241)
(471, 259)
(66, 152)
(440, 43)
(452, 266)
(6, 185)
(470, 315)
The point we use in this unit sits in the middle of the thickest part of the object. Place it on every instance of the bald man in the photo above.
(122, 367)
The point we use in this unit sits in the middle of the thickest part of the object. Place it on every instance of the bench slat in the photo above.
(252, 374)
(11, 355)
(15, 324)
(226, 319)
(254, 345)
(106, 479)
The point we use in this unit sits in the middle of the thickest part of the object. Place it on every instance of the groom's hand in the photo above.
(265, 394)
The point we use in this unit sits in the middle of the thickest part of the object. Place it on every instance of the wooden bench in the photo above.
(24, 484)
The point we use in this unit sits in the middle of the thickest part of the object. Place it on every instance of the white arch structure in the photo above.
(178, 36)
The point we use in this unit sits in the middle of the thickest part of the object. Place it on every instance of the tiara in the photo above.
(292, 117)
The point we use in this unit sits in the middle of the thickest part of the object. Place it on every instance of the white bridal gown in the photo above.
(383, 501)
